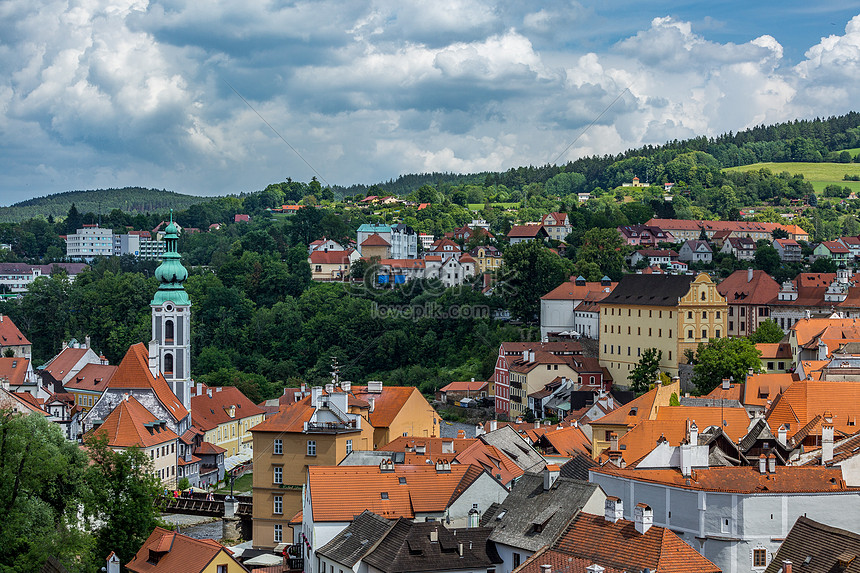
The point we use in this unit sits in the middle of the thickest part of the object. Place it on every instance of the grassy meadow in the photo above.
(819, 174)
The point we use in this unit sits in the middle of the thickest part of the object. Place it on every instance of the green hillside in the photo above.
(819, 174)
(128, 199)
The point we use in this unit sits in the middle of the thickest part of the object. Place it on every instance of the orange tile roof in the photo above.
(760, 389)
(568, 441)
(593, 291)
(619, 545)
(375, 240)
(180, 554)
(92, 378)
(465, 386)
(774, 351)
(9, 333)
(64, 362)
(807, 330)
(133, 372)
(14, 369)
(492, 460)
(125, 427)
(734, 392)
(432, 448)
(631, 413)
(208, 448)
(210, 412)
(387, 404)
(561, 563)
(741, 479)
(330, 257)
(734, 421)
(29, 401)
(734, 226)
(290, 418)
(805, 399)
(334, 490)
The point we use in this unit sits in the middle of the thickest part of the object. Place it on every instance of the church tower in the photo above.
(171, 320)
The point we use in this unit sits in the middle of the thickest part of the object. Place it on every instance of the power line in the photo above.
(596, 119)
(276, 133)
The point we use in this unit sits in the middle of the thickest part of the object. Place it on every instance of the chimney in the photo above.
(153, 358)
(346, 385)
(545, 568)
(316, 393)
(822, 350)
(826, 443)
(762, 464)
(434, 536)
(749, 274)
(786, 566)
(329, 388)
(531, 355)
(374, 386)
(209, 392)
(87, 341)
(771, 464)
(460, 549)
(782, 435)
(693, 434)
(302, 387)
(644, 517)
(613, 442)
(519, 420)
(525, 355)
(479, 430)
(494, 425)
(550, 474)
(537, 424)
(613, 509)
(726, 384)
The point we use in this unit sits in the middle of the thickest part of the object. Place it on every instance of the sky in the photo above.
(218, 97)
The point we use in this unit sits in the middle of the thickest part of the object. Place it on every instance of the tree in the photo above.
(823, 265)
(530, 271)
(768, 332)
(767, 259)
(41, 487)
(606, 248)
(724, 358)
(122, 494)
(645, 372)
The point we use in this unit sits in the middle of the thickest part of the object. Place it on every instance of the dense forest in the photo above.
(260, 323)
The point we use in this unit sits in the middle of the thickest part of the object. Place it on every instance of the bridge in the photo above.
(205, 505)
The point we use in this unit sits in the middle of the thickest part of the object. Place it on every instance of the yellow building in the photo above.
(225, 416)
(672, 313)
(487, 259)
(621, 420)
(320, 430)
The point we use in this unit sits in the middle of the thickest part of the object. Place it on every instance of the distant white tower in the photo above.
(171, 319)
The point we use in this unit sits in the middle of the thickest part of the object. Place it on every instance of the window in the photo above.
(516, 558)
(731, 325)
(717, 333)
(718, 315)
(731, 311)
(724, 525)
(348, 446)
(312, 448)
(279, 504)
(704, 333)
(649, 332)
(670, 333)
(222, 569)
(704, 297)
(279, 475)
(743, 311)
(279, 533)
(670, 356)
(770, 365)
(759, 557)
(278, 447)
(704, 315)
(689, 334)
(689, 314)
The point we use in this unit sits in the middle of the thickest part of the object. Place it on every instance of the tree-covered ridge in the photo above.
(132, 200)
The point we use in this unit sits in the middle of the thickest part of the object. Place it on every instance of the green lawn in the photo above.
(242, 484)
(819, 174)
(479, 206)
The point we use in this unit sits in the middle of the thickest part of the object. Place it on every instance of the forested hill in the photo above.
(128, 199)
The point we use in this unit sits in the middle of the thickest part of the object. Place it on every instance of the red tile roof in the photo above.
(14, 369)
(208, 448)
(733, 226)
(592, 291)
(133, 372)
(805, 399)
(734, 392)
(432, 448)
(741, 479)
(179, 554)
(492, 460)
(64, 362)
(375, 240)
(567, 441)
(465, 386)
(92, 378)
(387, 404)
(208, 412)
(619, 545)
(330, 257)
(738, 290)
(522, 231)
(9, 333)
(126, 427)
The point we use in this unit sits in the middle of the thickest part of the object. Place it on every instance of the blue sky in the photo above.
(113, 93)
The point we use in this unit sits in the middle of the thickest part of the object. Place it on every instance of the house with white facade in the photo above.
(694, 250)
(573, 306)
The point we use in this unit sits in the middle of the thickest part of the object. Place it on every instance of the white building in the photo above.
(17, 277)
(573, 306)
(91, 241)
(138, 244)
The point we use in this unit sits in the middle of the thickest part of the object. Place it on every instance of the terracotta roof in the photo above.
(741, 479)
(9, 333)
(805, 399)
(131, 424)
(403, 263)
(619, 545)
(835, 247)
(734, 392)
(178, 554)
(775, 350)
(633, 412)
(92, 377)
(465, 386)
(375, 240)
(423, 489)
(432, 448)
(30, 401)
(63, 362)
(522, 231)
(208, 449)
(738, 290)
(807, 330)
(210, 412)
(492, 460)
(133, 372)
(735, 421)
(592, 291)
(14, 369)
(733, 226)
(330, 257)
(387, 404)
(562, 563)
(290, 418)
(568, 441)
(466, 259)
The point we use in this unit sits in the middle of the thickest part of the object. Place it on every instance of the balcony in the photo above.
(331, 427)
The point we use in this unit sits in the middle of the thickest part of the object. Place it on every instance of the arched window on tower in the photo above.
(168, 365)
(168, 331)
